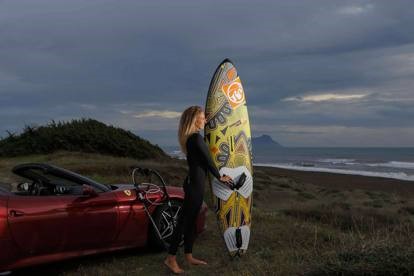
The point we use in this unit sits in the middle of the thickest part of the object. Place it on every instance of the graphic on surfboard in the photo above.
(227, 134)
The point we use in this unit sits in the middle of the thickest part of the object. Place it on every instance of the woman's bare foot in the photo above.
(172, 264)
(191, 260)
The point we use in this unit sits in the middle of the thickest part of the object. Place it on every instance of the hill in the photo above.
(84, 135)
(265, 145)
(265, 141)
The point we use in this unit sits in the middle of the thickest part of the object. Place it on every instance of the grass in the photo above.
(297, 228)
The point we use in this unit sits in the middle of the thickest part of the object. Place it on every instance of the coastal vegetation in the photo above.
(83, 135)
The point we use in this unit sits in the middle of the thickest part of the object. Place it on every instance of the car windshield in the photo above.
(51, 178)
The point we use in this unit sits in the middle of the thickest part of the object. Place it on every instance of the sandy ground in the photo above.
(344, 181)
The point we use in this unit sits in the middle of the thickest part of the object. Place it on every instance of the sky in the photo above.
(315, 73)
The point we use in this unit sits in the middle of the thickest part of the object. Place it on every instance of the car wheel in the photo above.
(166, 218)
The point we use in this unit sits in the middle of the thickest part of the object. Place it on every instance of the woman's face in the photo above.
(200, 121)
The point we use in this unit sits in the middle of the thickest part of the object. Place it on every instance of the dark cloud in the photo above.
(112, 59)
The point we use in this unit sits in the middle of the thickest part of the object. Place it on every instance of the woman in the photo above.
(199, 161)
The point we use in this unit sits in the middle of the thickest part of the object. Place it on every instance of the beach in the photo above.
(344, 181)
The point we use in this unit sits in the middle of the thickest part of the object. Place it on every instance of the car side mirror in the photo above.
(88, 191)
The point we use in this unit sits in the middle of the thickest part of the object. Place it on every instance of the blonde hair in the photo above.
(187, 125)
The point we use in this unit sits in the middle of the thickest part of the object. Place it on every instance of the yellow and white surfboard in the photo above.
(227, 134)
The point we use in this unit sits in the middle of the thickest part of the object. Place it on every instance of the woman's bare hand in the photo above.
(226, 180)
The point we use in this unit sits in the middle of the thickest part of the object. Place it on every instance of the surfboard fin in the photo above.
(239, 240)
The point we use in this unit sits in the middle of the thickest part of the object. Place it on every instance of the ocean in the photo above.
(397, 163)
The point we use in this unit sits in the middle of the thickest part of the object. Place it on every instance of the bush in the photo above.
(84, 135)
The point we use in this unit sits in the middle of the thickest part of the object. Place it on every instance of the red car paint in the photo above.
(38, 229)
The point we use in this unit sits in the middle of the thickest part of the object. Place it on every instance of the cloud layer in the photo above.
(316, 73)
(327, 97)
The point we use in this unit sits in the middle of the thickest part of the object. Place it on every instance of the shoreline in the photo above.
(343, 181)
(388, 175)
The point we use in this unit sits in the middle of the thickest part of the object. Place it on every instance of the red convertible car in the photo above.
(55, 214)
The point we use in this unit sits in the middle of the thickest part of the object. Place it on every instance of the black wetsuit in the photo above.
(199, 163)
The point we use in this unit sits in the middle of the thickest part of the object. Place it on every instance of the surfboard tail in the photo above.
(237, 238)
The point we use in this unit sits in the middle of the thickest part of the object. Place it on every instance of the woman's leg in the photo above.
(171, 260)
(189, 227)
(177, 234)
(190, 234)
(183, 219)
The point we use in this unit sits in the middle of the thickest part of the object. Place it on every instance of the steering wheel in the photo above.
(34, 188)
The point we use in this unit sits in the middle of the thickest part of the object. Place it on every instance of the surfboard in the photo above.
(227, 133)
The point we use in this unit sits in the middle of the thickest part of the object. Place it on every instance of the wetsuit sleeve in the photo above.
(201, 145)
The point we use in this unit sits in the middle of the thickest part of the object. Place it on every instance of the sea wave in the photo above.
(394, 164)
(337, 160)
(177, 154)
(393, 175)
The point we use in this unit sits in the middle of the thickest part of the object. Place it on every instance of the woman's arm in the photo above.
(201, 145)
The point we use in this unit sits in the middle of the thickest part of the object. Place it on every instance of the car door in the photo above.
(92, 217)
(61, 217)
(133, 221)
(91, 220)
(37, 223)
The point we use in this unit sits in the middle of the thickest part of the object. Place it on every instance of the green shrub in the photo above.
(84, 135)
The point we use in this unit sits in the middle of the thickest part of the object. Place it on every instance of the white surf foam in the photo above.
(337, 160)
(394, 164)
(393, 175)
(177, 154)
